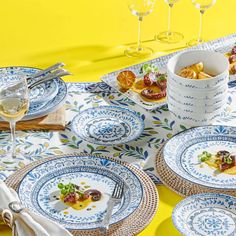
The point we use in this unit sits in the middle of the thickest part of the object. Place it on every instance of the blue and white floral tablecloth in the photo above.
(159, 126)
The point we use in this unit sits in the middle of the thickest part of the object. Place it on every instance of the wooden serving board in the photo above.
(52, 121)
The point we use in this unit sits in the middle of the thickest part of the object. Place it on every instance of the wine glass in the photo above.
(14, 103)
(140, 8)
(169, 36)
(202, 5)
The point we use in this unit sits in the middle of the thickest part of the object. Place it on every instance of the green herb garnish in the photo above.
(228, 160)
(66, 188)
(161, 77)
(147, 68)
(205, 156)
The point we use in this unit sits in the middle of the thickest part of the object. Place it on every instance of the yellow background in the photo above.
(90, 37)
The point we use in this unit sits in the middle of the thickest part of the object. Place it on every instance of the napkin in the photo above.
(28, 223)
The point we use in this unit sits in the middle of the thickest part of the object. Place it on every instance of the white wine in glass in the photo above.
(202, 5)
(169, 36)
(140, 8)
(14, 104)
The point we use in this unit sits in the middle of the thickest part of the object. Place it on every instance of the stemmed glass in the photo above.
(14, 103)
(169, 36)
(202, 5)
(140, 8)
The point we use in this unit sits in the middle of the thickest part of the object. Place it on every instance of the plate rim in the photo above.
(114, 107)
(48, 110)
(192, 180)
(90, 155)
(184, 201)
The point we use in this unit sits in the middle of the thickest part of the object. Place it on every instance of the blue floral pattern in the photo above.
(108, 125)
(206, 214)
(188, 145)
(38, 190)
(159, 125)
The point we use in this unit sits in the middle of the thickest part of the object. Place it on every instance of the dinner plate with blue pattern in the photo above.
(206, 214)
(40, 93)
(108, 125)
(39, 192)
(196, 156)
(44, 98)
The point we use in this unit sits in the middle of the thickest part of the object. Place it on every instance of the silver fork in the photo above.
(115, 197)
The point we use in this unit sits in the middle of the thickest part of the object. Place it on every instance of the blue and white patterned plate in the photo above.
(44, 98)
(41, 93)
(181, 155)
(38, 190)
(108, 125)
(206, 214)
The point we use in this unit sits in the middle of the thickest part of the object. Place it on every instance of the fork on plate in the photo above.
(116, 197)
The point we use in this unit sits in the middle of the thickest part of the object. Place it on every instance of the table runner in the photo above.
(159, 127)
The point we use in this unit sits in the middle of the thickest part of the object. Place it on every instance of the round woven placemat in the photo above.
(133, 224)
(179, 185)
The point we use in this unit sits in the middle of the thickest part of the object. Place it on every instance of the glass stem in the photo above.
(169, 18)
(140, 19)
(13, 138)
(200, 26)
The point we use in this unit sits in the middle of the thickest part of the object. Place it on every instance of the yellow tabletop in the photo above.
(90, 37)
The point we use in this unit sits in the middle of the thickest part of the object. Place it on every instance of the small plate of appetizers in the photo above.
(144, 84)
(205, 155)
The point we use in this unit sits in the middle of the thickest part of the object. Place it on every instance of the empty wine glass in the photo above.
(140, 8)
(169, 36)
(202, 5)
(14, 103)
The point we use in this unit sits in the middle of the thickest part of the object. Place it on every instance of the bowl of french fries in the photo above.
(197, 86)
(198, 69)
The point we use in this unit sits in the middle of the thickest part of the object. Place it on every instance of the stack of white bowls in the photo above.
(196, 102)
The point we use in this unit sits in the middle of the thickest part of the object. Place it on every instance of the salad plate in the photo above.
(41, 190)
(224, 45)
(206, 214)
(108, 125)
(204, 156)
(44, 98)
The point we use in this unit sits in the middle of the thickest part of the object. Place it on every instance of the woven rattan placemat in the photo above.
(133, 224)
(178, 184)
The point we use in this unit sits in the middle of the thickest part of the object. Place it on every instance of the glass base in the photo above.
(195, 42)
(138, 52)
(169, 37)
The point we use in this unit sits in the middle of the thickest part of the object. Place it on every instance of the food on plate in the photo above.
(232, 60)
(222, 161)
(77, 196)
(195, 71)
(151, 85)
(151, 94)
(126, 79)
(233, 51)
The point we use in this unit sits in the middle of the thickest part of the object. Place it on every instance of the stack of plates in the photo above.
(44, 98)
(37, 188)
(179, 167)
(197, 101)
